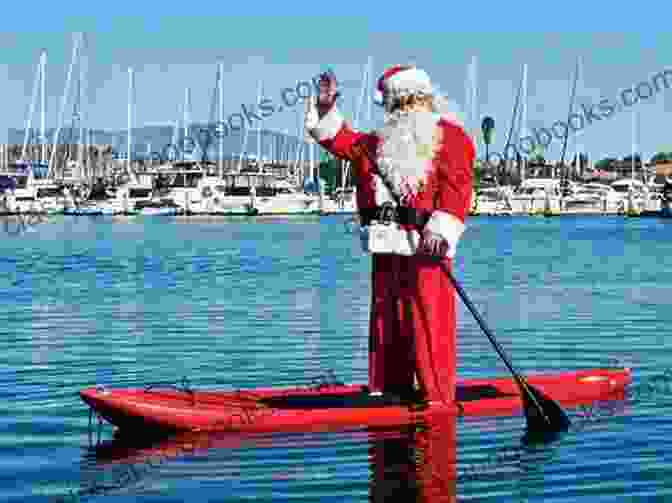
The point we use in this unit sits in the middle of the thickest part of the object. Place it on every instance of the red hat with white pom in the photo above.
(402, 80)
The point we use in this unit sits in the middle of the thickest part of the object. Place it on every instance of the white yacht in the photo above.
(181, 183)
(343, 201)
(492, 200)
(194, 191)
(282, 198)
(592, 197)
(34, 195)
(249, 193)
(136, 199)
(539, 194)
(633, 194)
(213, 197)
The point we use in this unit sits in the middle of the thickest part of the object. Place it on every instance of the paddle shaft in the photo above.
(486, 330)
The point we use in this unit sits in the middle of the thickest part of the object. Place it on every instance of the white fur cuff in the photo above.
(389, 239)
(448, 227)
(325, 128)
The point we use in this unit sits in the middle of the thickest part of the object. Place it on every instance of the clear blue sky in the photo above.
(285, 43)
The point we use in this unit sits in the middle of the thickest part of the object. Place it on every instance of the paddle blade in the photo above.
(545, 417)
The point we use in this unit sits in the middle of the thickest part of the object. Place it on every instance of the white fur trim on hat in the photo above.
(448, 226)
(408, 81)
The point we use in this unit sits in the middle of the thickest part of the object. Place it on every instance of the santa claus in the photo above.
(421, 158)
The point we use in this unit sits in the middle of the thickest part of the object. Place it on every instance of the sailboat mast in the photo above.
(514, 115)
(243, 149)
(78, 116)
(83, 108)
(474, 98)
(176, 138)
(186, 121)
(571, 107)
(308, 141)
(298, 144)
(471, 97)
(362, 96)
(130, 120)
(634, 141)
(578, 147)
(26, 134)
(467, 99)
(259, 98)
(221, 119)
(369, 95)
(43, 104)
(523, 127)
(64, 100)
(311, 157)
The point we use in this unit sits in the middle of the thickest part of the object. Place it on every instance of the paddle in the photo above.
(544, 416)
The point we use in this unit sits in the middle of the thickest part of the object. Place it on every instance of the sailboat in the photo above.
(135, 197)
(271, 194)
(230, 194)
(34, 191)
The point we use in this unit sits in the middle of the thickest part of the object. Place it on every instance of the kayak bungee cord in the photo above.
(249, 405)
(544, 416)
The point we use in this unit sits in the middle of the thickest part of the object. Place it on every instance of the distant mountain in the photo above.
(159, 140)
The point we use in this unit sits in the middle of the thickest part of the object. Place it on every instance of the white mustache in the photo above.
(406, 136)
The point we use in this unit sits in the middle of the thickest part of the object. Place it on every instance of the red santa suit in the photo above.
(412, 322)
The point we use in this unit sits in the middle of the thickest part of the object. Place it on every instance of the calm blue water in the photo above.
(240, 303)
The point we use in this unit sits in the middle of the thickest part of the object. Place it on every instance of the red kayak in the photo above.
(295, 409)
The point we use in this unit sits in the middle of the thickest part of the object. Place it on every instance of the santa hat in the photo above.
(402, 80)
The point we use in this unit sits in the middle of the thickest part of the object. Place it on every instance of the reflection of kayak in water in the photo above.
(126, 448)
(409, 463)
(295, 409)
(405, 461)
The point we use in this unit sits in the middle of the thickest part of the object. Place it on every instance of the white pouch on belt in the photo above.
(389, 238)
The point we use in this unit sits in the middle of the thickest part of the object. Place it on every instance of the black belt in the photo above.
(388, 213)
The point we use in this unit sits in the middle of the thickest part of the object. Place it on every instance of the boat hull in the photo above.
(662, 213)
(295, 409)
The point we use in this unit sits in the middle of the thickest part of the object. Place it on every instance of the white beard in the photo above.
(405, 152)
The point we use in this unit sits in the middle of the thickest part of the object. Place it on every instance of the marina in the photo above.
(194, 188)
(278, 173)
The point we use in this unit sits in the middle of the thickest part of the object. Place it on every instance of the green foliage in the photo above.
(661, 157)
(477, 175)
(604, 164)
(487, 128)
(329, 172)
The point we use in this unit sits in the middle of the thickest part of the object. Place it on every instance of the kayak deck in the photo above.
(285, 409)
